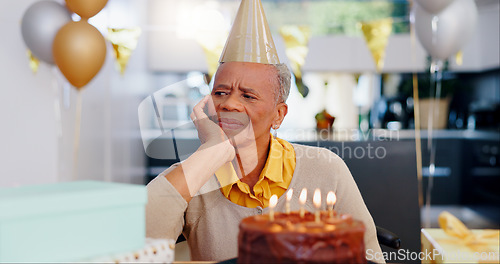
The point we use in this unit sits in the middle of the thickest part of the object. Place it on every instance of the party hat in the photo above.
(250, 39)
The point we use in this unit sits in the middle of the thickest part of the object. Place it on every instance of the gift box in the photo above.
(70, 221)
(440, 247)
(154, 251)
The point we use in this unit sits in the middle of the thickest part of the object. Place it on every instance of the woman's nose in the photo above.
(231, 103)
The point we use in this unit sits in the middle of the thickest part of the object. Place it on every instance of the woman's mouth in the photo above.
(230, 124)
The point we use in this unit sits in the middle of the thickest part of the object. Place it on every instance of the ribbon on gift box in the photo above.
(455, 228)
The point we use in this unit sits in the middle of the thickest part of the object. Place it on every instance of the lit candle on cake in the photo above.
(272, 203)
(330, 201)
(302, 201)
(317, 204)
(288, 199)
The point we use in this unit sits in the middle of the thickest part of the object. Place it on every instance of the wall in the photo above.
(37, 146)
(28, 138)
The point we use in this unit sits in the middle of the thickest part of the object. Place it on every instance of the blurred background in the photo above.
(168, 52)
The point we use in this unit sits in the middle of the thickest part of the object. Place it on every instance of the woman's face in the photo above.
(244, 94)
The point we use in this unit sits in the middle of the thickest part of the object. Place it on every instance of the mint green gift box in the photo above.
(70, 221)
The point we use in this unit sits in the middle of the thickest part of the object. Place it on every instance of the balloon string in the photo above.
(57, 113)
(416, 113)
(66, 94)
(57, 102)
(434, 25)
(430, 120)
(437, 81)
(436, 76)
(430, 180)
(418, 138)
(76, 143)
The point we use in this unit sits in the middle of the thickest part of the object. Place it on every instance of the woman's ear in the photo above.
(281, 111)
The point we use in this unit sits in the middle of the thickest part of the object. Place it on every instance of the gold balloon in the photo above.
(79, 51)
(377, 35)
(86, 8)
(124, 41)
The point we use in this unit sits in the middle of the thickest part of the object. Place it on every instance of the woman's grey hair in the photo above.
(284, 78)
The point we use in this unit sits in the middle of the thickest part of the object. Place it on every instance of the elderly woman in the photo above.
(240, 165)
(248, 99)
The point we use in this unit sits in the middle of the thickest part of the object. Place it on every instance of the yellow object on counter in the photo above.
(443, 248)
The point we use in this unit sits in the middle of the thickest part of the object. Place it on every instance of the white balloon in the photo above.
(453, 27)
(39, 26)
(434, 6)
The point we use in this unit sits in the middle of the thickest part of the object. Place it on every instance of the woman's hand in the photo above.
(210, 133)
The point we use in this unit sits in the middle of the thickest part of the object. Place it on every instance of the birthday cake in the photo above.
(290, 238)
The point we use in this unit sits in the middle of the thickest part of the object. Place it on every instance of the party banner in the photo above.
(212, 42)
(124, 41)
(34, 61)
(459, 58)
(376, 35)
(212, 55)
(296, 40)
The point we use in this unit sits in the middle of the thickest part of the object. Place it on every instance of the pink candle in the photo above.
(302, 201)
(317, 204)
(330, 201)
(272, 203)
(288, 199)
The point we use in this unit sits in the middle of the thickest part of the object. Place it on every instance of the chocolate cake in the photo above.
(292, 239)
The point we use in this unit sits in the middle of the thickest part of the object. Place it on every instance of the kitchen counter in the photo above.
(312, 135)
(383, 135)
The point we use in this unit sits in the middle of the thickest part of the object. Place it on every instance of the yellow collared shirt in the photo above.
(274, 178)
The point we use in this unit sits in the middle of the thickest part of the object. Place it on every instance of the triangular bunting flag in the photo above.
(376, 35)
(124, 42)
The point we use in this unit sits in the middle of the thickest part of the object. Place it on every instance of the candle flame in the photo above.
(289, 195)
(273, 201)
(331, 198)
(303, 196)
(317, 198)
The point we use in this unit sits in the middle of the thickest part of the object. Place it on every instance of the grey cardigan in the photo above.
(210, 221)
